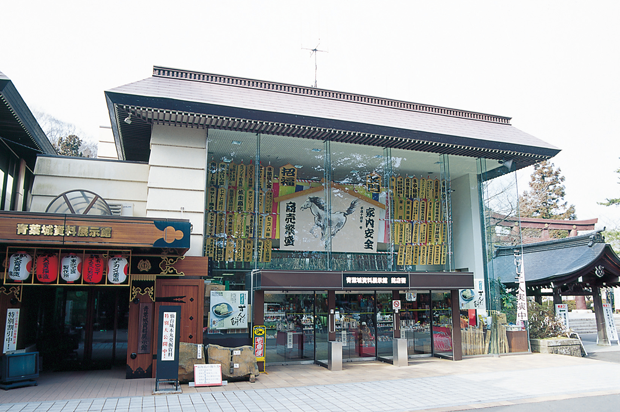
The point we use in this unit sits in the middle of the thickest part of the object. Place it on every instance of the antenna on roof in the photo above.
(314, 51)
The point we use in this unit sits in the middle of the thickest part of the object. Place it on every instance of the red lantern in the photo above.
(94, 269)
(47, 268)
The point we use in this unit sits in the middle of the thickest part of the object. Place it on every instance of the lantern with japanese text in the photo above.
(71, 268)
(20, 265)
(117, 269)
(94, 269)
(47, 268)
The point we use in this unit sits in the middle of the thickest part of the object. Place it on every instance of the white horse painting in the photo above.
(327, 224)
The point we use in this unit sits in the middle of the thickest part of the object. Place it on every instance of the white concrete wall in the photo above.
(106, 148)
(114, 181)
(176, 178)
(467, 235)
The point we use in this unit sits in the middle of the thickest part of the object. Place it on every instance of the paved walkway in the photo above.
(426, 384)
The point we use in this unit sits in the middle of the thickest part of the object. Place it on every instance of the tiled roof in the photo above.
(204, 100)
(557, 260)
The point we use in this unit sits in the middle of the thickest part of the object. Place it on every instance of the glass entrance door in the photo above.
(78, 328)
(356, 325)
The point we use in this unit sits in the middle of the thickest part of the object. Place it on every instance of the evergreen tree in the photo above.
(69, 146)
(545, 199)
(611, 202)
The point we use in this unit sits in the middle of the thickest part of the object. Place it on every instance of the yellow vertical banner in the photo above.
(393, 185)
(423, 234)
(415, 188)
(400, 260)
(221, 224)
(430, 189)
(415, 210)
(211, 223)
(268, 226)
(230, 250)
(221, 199)
(269, 202)
(407, 183)
(212, 199)
(429, 259)
(415, 237)
(261, 223)
(422, 210)
(437, 210)
(230, 224)
(399, 186)
(408, 209)
(239, 224)
(210, 247)
(240, 200)
(232, 174)
(239, 243)
(429, 209)
(422, 259)
(249, 249)
(249, 226)
(261, 201)
(212, 174)
(437, 193)
(249, 202)
(261, 253)
(400, 210)
(416, 254)
(250, 176)
(269, 178)
(422, 189)
(231, 200)
(267, 250)
(396, 233)
(409, 255)
(407, 232)
(261, 178)
(222, 171)
(437, 255)
(443, 254)
(220, 245)
(240, 176)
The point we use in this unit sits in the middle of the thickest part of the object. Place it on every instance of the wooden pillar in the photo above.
(603, 339)
(331, 306)
(457, 350)
(396, 296)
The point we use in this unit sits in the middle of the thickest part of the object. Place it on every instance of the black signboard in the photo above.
(168, 344)
(369, 280)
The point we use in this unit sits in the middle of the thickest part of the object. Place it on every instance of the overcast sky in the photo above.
(553, 66)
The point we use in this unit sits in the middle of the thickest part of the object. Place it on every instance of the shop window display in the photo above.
(442, 323)
(356, 325)
(415, 322)
(290, 323)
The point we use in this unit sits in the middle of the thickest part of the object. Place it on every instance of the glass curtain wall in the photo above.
(420, 211)
(500, 226)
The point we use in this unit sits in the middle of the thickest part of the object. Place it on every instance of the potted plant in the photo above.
(547, 332)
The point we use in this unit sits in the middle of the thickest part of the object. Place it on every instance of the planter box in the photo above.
(570, 347)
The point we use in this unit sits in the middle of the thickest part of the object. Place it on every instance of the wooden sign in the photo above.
(407, 190)
(212, 173)
(241, 176)
(249, 250)
(373, 183)
(239, 246)
(222, 171)
(232, 174)
(250, 177)
(288, 175)
(400, 260)
(144, 327)
(415, 188)
(249, 203)
(269, 178)
(399, 186)
(422, 190)
(416, 254)
(212, 198)
(240, 203)
(269, 202)
(409, 255)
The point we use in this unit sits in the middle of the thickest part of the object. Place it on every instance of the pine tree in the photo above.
(545, 199)
(611, 202)
(69, 146)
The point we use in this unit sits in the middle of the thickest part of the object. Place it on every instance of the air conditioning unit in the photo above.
(121, 209)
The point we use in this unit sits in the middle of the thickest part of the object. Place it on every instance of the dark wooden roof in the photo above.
(561, 263)
(19, 129)
(194, 99)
